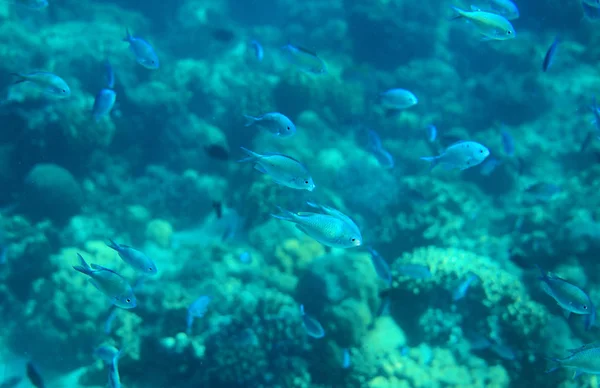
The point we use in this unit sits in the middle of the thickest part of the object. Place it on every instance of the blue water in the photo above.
(358, 84)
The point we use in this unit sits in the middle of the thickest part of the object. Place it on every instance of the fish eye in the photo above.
(128, 300)
(306, 182)
(481, 151)
(509, 32)
(64, 91)
(353, 239)
(288, 128)
(150, 269)
(584, 307)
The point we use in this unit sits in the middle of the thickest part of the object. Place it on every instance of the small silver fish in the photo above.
(311, 325)
(398, 99)
(48, 83)
(143, 51)
(136, 259)
(305, 60)
(461, 155)
(283, 169)
(568, 296)
(490, 25)
(333, 229)
(274, 122)
(586, 360)
(108, 282)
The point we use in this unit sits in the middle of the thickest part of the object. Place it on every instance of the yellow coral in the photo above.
(160, 232)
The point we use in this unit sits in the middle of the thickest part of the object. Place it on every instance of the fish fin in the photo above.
(459, 13)
(285, 215)
(475, 8)
(591, 13)
(577, 373)
(94, 283)
(262, 170)
(113, 245)
(567, 314)
(252, 156)
(128, 37)
(250, 120)
(83, 266)
(433, 161)
(556, 360)
(302, 229)
(98, 267)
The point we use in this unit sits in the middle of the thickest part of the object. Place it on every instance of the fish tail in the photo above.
(83, 266)
(459, 13)
(252, 156)
(544, 274)
(554, 359)
(128, 37)
(113, 245)
(433, 161)
(285, 215)
(250, 120)
(20, 78)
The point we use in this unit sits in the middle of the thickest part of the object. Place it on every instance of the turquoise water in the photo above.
(414, 252)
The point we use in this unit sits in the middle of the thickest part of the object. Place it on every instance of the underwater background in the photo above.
(440, 288)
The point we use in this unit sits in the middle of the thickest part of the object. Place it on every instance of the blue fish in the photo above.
(246, 257)
(381, 266)
(103, 104)
(431, 132)
(460, 155)
(34, 375)
(114, 380)
(109, 74)
(414, 271)
(489, 165)
(311, 325)
(346, 362)
(508, 143)
(258, 50)
(385, 159)
(109, 320)
(143, 51)
(136, 259)
(197, 310)
(463, 287)
(591, 9)
(305, 60)
(549, 58)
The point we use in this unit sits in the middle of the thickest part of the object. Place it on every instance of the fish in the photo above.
(197, 310)
(568, 296)
(397, 99)
(136, 259)
(583, 361)
(259, 52)
(385, 159)
(541, 192)
(346, 361)
(109, 320)
(283, 170)
(305, 60)
(508, 143)
(550, 53)
(114, 286)
(431, 131)
(478, 341)
(49, 83)
(490, 25)
(311, 325)
(591, 9)
(381, 266)
(460, 155)
(463, 287)
(506, 8)
(274, 122)
(503, 351)
(489, 165)
(34, 375)
(114, 380)
(333, 229)
(143, 51)
(109, 75)
(103, 103)
(36, 5)
(217, 152)
(107, 353)
(414, 271)
(591, 345)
